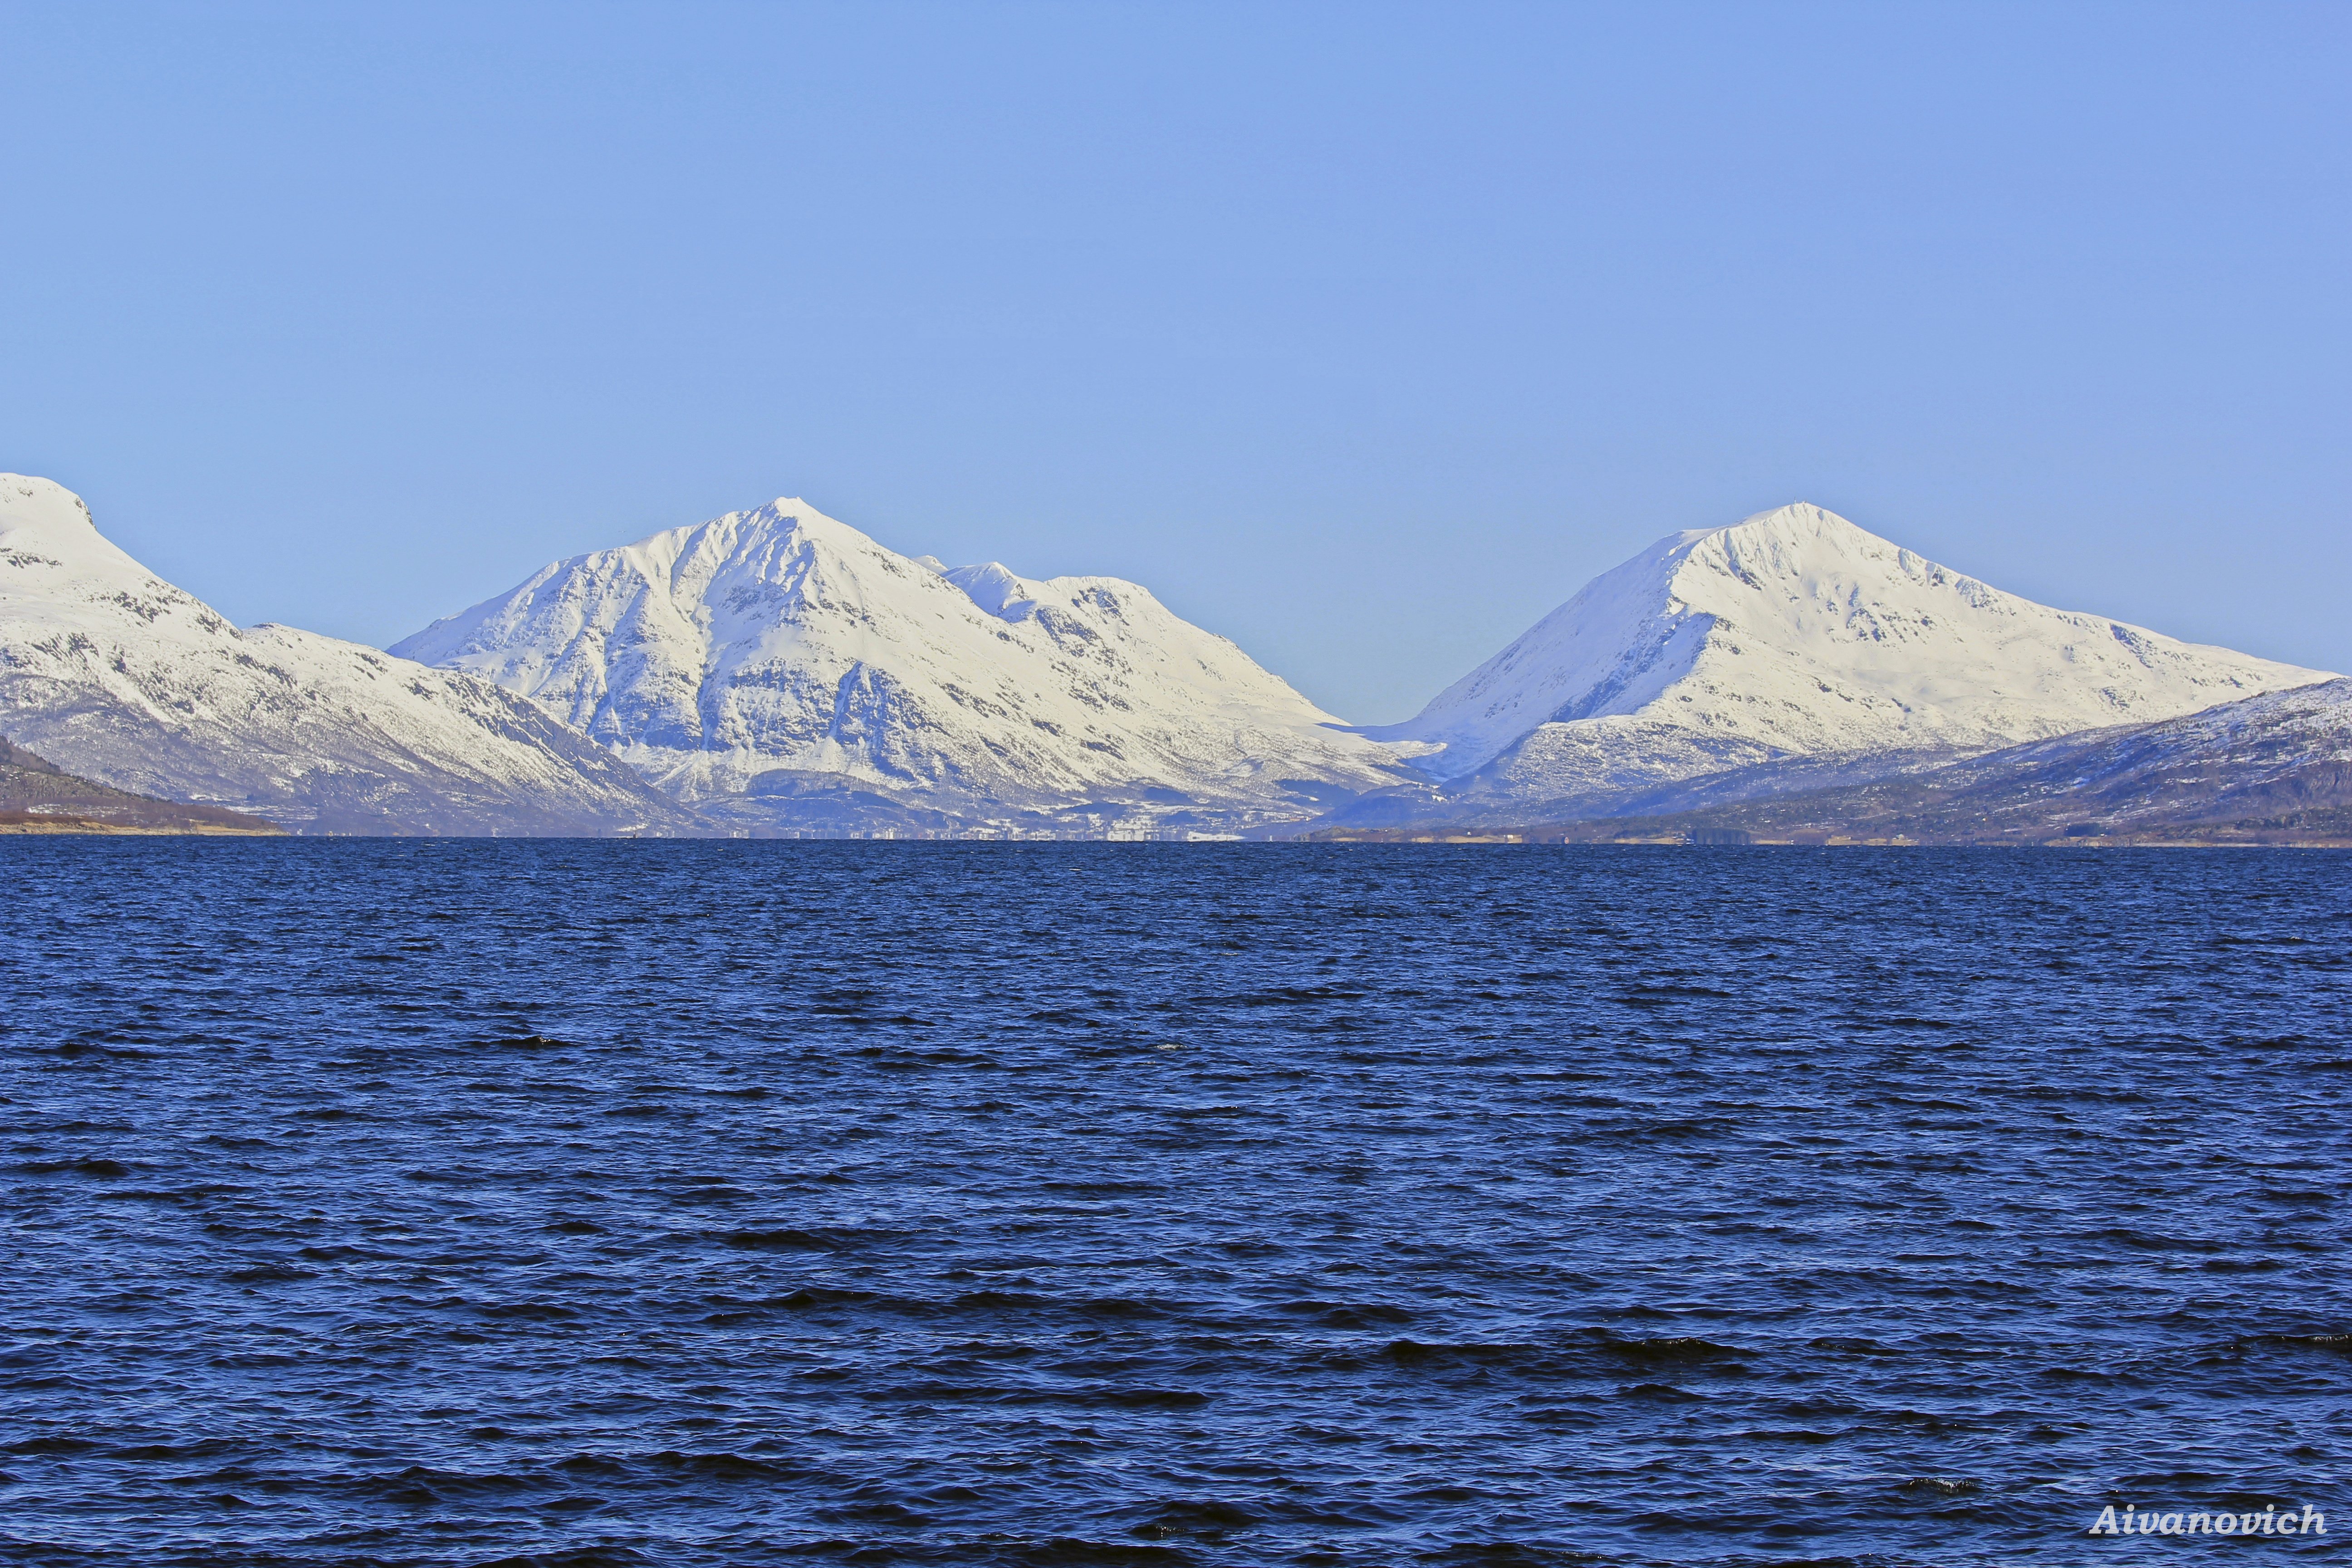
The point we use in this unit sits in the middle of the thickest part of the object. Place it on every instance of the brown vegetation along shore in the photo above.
(36, 796)
(1791, 824)
(55, 822)
(2309, 808)
(2233, 836)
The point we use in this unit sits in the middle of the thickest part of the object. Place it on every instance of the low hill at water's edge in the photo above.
(37, 797)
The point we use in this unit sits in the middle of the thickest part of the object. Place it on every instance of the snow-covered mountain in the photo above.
(115, 675)
(1793, 642)
(778, 666)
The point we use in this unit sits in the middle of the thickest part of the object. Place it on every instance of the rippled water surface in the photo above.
(713, 1203)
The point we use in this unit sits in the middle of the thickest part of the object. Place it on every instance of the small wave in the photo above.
(790, 1239)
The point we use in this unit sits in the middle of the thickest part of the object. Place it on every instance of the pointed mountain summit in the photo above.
(117, 676)
(1800, 645)
(776, 666)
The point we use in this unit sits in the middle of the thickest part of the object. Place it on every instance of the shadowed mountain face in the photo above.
(119, 677)
(1793, 642)
(861, 685)
(37, 797)
(2270, 769)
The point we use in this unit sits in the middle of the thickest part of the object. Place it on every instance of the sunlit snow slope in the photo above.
(115, 675)
(1795, 634)
(778, 664)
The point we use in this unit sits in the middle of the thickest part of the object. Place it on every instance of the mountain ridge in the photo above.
(119, 677)
(778, 639)
(1791, 634)
(2275, 768)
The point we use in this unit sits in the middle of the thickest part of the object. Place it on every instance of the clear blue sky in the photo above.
(1363, 334)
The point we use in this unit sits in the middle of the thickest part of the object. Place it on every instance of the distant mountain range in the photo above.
(776, 672)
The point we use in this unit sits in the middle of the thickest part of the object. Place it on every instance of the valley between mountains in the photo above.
(776, 672)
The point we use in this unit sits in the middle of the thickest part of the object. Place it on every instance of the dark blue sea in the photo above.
(587, 1203)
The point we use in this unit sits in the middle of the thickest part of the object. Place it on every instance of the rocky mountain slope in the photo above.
(779, 669)
(2278, 761)
(119, 677)
(2273, 769)
(37, 797)
(1790, 650)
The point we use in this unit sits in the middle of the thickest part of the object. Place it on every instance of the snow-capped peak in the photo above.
(782, 639)
(1796, 632)
(38, 513)
(116, 675)
(1001, 593)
